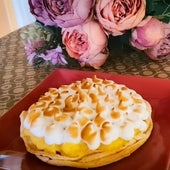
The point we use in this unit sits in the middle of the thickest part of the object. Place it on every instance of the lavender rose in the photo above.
(62, 13)
(31, 47)
(116, 16)
(55, 56)
(87, 43)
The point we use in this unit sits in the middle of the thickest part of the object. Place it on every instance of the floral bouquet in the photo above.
(81, 29)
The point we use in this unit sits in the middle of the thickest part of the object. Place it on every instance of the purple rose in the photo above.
(62, 13)
(38, 10)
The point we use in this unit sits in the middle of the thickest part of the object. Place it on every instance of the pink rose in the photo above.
(152, 36)
(118, 16)
(62, 13)
(87, 43)
(148, 33)
(162, 49)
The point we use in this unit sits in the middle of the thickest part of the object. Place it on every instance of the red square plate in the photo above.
(154, 154)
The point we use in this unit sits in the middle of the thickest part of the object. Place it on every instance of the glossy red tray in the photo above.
(154, 154)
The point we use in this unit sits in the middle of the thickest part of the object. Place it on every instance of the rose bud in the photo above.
(118, 16)
(87, 43)
(148, 33)
(162, 49)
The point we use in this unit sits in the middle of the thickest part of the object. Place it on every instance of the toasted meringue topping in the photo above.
(93, 111)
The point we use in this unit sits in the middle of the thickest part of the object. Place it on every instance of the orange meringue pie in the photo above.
(86, 124)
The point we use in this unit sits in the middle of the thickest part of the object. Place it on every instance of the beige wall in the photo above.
(7, 17)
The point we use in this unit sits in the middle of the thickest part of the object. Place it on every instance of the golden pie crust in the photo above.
(87, 112)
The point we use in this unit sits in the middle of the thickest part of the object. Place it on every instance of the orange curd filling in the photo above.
(70, 149)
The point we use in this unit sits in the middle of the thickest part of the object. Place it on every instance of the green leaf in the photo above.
(159, 9)
(149, 7)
